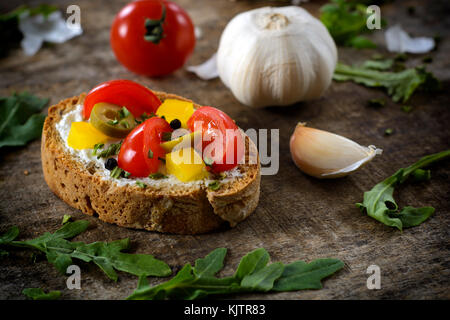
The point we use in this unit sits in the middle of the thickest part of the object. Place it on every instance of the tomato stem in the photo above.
(154, 28)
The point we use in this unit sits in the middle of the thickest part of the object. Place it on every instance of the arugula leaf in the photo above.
(107, 256)
(252, 275)
(346, 21)
(20, 120)
(379, 202)
(300, 275)
(39, 294)
(400, 85)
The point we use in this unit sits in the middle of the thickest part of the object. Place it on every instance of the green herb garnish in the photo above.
(407, 109)
(39, 294)
(388, 131)
(116, 173)
(126, 174)
(214, 186)
(108, 256)
(141, 184)
(346, 21)
(96, 147)
(20, 119)
(125, 124)
(157, 176)
(113, 122)
(123, 113)
(380, 204)
(150, 154)
(66, 218)
(112, 150)
(166, 136)
(400, 85)
(253, 274)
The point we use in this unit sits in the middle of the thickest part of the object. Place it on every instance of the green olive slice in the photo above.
(112, 120)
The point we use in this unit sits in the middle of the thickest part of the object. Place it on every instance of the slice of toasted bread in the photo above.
(180, 208)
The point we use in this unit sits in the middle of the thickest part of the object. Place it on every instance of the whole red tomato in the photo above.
(135, 97)
(152, 37)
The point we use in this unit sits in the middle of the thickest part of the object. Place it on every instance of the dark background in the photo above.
(298, 217)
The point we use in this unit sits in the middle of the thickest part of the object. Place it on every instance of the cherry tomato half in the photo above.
(153, 137)
(215, 123)
(131, 157)
(135, 97)
(152, 37)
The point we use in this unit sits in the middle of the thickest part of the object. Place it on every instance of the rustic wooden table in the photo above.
(298, 217)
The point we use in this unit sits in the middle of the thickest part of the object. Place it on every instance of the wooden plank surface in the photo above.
(298, 217)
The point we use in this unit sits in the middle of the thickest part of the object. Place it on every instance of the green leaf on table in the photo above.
(39, 294)
(380, 204)
(108, 256)
(399, 85)
(346, 21)
(20, 119)
(252, 275)
(300, 275)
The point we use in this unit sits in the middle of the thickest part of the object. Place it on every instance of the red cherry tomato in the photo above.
(153, 137)
(135, 97)
(156, 47)
(215, 123)
(131, 157)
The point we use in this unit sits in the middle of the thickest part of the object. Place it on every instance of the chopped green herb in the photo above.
(112, 150)
(253, 274)
(123, 113)
(141, 184)
(144, 117)
(126, 174)
(389, 131)
(150, 154)
(407, 109)
(113, 122)
(157, 176)
(116, 173)
(96, 147)
(163, 117)
(166, 136)
(214, 186)
(125, 124)
(380, 204)
(39, 294)
(376, 103)
(66, 218)
(108, 256)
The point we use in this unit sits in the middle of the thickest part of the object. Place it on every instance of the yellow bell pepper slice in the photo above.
(186, 164)
(185, 141)
(176, 109)
(83, 135)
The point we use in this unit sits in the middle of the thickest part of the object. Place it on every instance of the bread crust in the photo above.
(178, 210)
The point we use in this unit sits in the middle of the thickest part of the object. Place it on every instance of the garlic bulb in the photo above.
(324, 154)
(276, 56)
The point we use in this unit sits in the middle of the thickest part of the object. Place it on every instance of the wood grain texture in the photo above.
(298, 217)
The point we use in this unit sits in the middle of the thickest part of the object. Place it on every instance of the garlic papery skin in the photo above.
(323, 154)
(276, 56)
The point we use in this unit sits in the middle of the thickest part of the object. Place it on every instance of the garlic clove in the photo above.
(324, 155)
